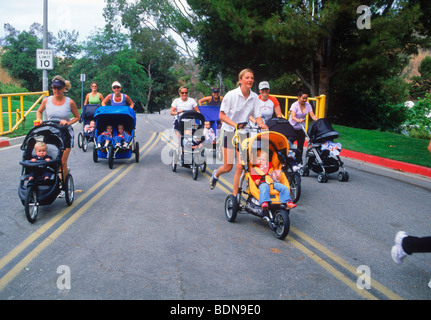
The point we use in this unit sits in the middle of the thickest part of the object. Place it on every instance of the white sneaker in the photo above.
(62, 194)
(397, 251)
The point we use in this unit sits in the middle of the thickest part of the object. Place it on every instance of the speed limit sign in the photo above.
(44, 59)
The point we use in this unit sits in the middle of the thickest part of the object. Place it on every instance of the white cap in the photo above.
(115, 83)
(263, 85)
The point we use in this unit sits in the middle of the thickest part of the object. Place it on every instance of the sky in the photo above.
(84, 16)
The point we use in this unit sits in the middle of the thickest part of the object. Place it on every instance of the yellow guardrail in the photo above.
(319, 111)
(20, 115)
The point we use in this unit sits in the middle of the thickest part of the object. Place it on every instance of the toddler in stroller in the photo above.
(89, 126)
(322, 156)
(263, 175)
(48, 180)
(40, 149)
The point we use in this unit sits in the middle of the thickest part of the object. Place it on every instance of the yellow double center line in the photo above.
(324, 264)
(9, 276)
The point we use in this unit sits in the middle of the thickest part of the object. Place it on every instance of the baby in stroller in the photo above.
(40, 149)
(263, 175)
(122, 139)
(105, 137)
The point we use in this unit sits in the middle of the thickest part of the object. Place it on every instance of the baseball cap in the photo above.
(264, 85)
(116, 83)
(216, 90)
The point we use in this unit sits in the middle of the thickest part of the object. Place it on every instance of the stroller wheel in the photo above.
(305, 172)
(84, 144)
(195, 170)
(31, 204)
(322, 177)
(111, 157)
(295, 186)
(69, 189)
(174, 161)
(231, 208)
(95, 155)
(343, 176)
(281, 223)
(80, 139)
(136, 152)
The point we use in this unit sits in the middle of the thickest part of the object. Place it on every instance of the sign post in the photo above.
(82, 89)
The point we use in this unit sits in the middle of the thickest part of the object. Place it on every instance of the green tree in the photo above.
(420, 85)
(19, 58)
(107, 57)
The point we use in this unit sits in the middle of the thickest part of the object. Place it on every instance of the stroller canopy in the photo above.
(321, 130)
(51, 132)
(88, 112)
(115, 115)
(186, 117)
(266, 138)
(211, 113)
(282, 126)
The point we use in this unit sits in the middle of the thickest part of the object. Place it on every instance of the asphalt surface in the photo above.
(141, 231)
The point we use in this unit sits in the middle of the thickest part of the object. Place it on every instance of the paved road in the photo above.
(141, 231)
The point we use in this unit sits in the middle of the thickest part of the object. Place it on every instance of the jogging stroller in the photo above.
(87, 134)
(211, 114)
(191, 151)
(322, 155)
(115, 116)
(246, 201)
(292, 168)
(40, 191)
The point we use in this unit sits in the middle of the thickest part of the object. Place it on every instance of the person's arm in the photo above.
(204, 99)
(41, 109)
(173, 112)
(105, 101)
(429, 147)
(223, 118)
(75, 113)
(260, 123)
(129, 101)
(197, 109)
(312, 115)
(294, 118)
(278, 112)
(86, 99)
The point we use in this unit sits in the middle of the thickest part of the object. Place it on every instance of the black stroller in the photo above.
(39, 191)
(191, 151)
(322, 156)
(85, 137)
(291, 167)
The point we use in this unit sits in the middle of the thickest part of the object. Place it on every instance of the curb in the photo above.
(387, 163)
(4, 143)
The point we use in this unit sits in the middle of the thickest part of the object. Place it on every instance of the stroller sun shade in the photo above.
(321, 130)
(282, 126)
(184, 120)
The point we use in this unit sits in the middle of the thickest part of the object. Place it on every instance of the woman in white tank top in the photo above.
(58, 107)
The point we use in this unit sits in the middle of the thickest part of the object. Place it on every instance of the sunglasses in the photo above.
(184, 92)
(56, 88)
(116, 87)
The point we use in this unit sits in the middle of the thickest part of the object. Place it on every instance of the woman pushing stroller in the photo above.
(236, 107)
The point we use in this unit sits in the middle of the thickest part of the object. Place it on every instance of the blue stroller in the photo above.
(114, 116)
(211, 114)
(39, 191)
(86, 136)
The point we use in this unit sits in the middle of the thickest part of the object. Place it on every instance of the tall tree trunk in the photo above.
(324, 57)
(149, 87)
